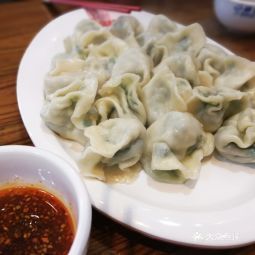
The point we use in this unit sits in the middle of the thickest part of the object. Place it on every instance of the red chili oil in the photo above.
(33, 221)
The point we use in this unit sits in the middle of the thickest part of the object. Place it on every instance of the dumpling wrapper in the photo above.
(116, 143)
(127, 28)
(126, 90)
(224, 70)
(209, 105)
(235, 140)
(164, 93)
(183, 65)
(189, 39)
(133, 61)
(65, 110)
(159, 26)
(175, 145)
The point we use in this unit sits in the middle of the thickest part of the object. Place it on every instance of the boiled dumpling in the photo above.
(64, 71)
(235, 140)
(237, 72)
(126, 89)
(133, 61)
(67, 70)
(73, 43)
(209, 105)
(116, 143)
(91, 39)
(175, 145)
(183, 65)
(187, 39)
(164, 93)
(159, 26)
(65, 111)
(85, 26)
(127, 28)
(225, 70)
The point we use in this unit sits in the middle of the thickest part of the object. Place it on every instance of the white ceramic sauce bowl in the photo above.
(238, 16)
(31, 165)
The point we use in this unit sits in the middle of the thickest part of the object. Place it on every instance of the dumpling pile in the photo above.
(159, 98)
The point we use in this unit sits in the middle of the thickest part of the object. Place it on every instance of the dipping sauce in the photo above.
(33, 221)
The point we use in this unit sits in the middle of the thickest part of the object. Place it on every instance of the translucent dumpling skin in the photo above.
(175, 145)
(113, 144)
(235, 140)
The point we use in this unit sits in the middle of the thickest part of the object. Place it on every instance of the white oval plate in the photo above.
(218, 211)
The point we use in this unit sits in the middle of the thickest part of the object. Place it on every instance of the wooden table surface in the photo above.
(19, 22)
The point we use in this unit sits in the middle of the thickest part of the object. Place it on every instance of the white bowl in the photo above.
(239, 17)
(32, 165)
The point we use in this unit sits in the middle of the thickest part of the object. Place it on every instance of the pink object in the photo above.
(98, 5)
(101, 16)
